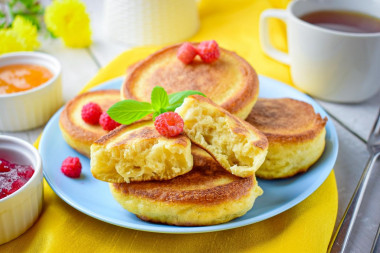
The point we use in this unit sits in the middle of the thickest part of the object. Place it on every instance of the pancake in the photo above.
(296, 136)
(77, 133)
(230, 81)
(206, 195)
(139, 153)
(236, 146)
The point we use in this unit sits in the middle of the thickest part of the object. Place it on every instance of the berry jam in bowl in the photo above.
(21, 187)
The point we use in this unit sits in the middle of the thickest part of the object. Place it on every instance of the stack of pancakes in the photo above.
(221, 183)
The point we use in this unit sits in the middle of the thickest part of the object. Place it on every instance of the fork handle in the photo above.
(345, 227)
(376, 242)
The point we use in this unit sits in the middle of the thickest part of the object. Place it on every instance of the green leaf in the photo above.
(171, 108)
(129, 111)
(34, 20)
(176, 99)
(155, 114)
(28, 3)
(37, 9)
(51, 34)
(12, 3)
(159, 98)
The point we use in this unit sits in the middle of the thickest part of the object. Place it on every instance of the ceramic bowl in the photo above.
(20, 210)
(32, 108)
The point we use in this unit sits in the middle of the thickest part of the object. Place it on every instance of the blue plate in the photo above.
(93, 197)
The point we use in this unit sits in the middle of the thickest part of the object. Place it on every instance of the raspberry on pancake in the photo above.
(75, 131)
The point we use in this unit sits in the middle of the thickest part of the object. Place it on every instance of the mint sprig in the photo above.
(159, 98)
(128, 111)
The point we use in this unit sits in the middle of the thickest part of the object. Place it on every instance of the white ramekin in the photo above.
(20, 210)
(32, 108)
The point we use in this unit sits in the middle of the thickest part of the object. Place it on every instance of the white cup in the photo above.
(331, 65)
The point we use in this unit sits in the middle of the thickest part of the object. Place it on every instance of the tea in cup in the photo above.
(333, 47)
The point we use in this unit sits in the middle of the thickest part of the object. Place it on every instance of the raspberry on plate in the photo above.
(91, 113)
(186, 53)
(71, 167)
(107, 123)
(169, 124)
(208, 51)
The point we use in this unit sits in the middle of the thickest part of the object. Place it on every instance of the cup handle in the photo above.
(266, 45)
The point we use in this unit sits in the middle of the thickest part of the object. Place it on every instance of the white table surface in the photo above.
(353, 122)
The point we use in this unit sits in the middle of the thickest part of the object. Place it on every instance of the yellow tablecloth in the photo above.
(306, 227)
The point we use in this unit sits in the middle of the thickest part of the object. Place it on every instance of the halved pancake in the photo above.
(139, 153)
(110, 175)
(206, 195)
(296, 136)
(77, 133)
(236, 145)
(230, 81)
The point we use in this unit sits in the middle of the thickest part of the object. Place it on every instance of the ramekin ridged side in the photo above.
(20, 210)
(32, 108)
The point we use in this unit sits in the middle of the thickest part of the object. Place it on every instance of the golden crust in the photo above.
(296, 136)
(204, 196)
(140, 130)
(230, 81)
(77, 133)
(139, 153)
(286, 120)
(202, 185)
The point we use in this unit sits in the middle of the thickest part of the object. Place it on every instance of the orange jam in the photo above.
(22, 77)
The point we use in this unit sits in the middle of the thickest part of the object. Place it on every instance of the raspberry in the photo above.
(16, 185)
(107, 123)
(169, 124)
(91, 113)
(4, 166)
(3, 193)
(208, 51)
(186, 53)
(25, 172)
(71, 167)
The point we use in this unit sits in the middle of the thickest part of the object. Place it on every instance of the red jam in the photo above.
(13, 176)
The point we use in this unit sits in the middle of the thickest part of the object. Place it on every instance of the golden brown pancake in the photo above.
(237, 146)
(77, 133)
(206, 195)
(296, 136)
(139, 153)
(230, 81)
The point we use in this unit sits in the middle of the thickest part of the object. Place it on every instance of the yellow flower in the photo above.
(27, 33)
(9, 41)
(68, 20)
(22, 36)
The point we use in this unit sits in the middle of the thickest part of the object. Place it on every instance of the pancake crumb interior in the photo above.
(239, 148)
(140, 154)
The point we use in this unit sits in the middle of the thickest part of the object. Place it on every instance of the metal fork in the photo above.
(340, 240)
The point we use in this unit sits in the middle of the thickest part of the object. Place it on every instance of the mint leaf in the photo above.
(171, 108)
(159, 98)
(155, 114)
(176, 99)
(129, 111)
